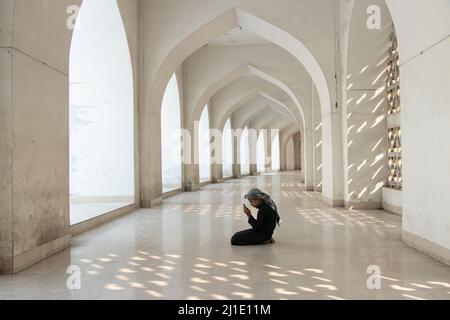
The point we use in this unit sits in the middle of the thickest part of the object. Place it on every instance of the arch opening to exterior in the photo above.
(228, 21)
(171, 138)
(101, 113)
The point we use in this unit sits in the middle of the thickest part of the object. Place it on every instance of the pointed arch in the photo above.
(101, 111)
(239, 73)
(171, 137)
(275, 104)
(227, 21)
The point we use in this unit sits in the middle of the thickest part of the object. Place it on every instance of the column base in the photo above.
(431, 249)
(12, 265)
(392, 209)
(6, 265)
(152, 203)
(189, 186)
(335, 203)
(362, 205)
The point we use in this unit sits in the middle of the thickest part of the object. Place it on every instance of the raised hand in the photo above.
(247, 210)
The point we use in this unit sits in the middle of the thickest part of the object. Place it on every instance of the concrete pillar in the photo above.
(317, 142)
(285, 157)
(34, 140)
(332, 126)
(217, 173)
(191, 169)
(216, 158)
(237, 158)
(6, 158)
(150, 166)
(282, 154)
(191, 177)
(268, 146)
(332, 190)
(296, 138)
(34, 206)
(253, 141)
(308, 155)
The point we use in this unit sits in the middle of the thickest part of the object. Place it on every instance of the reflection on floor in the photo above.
(181, 250)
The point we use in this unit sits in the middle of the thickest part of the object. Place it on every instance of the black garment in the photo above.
(263, 227)
(247, 238)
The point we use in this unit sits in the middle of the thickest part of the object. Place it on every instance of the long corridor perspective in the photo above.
(182, 250)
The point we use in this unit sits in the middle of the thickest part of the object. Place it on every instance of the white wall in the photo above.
(365, 117)
(423, 30)
(101, 104)
(426, 144)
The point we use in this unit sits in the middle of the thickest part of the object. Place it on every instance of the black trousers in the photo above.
(247, 238)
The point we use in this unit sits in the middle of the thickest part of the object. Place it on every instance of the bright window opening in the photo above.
(101, 113)
(171, 137)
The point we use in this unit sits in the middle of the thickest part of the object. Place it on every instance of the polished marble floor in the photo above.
(181, 250)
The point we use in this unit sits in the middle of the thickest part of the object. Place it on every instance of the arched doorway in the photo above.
(171, 137)
(101, 113)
